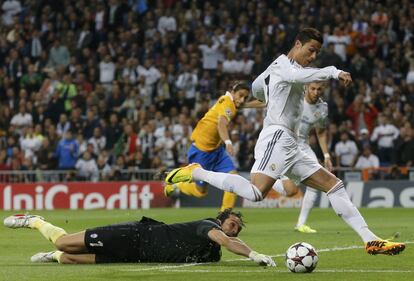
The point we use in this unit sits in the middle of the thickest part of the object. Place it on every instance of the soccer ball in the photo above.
(301, 257)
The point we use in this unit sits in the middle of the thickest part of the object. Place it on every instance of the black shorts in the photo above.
(115, 243)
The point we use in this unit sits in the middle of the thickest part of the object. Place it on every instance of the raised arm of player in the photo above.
(238, 247)
(222, 128)
(322, 138)
(309, 74)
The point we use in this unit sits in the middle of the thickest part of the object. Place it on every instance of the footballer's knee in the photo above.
(292, 192)
(61, 244)
(69, 245)
(336, 186)
(290, 188)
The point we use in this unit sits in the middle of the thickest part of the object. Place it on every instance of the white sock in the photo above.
(348, 212)
(278, 187)
(307, 204)
(229, 182)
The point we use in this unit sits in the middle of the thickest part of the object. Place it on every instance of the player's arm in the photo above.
(254, 104)
(222, 128)
(323, 143)
(258, 87)
(238, 247)
(309, 74)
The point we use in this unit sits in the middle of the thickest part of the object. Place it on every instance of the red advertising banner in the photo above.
(275, 200)
(83, 195)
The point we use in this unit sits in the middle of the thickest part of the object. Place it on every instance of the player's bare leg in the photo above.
(263, 182)
(77, 259)
(285, 187)
(325, 181)
(72, 243)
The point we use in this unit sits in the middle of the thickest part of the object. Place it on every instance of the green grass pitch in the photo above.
(270, 231)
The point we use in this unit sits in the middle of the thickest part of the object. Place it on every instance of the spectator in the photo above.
(92, 121)
(67, 91)
(67, 152)
(29, 143)
(59, 55)
(187, 82)
(367, 159)
(107, 72)
(63, 126)
(151, 74)
(128, 143)
(407, 150)
(10, 9)
(383, 136)
(363, 138)
(167, 23)
(340, 41)
(86, 167)
(98, 141)
(346, 151)
(362, 114)
(147, 140)
(105, 170)
(211, 54)
(164, 147)
(112, 132)
(22, 119)
(31, 81)
(45, 158)
(130, 71)
(118, 169)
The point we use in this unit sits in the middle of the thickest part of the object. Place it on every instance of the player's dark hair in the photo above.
(239, 85)
(223, 215)
(307, 34)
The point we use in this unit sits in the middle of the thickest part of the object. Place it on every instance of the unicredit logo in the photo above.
(80, 196)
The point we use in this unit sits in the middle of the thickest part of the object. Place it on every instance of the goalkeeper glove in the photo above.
(261, 259)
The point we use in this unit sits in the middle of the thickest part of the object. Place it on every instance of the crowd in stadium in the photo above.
(102, 86)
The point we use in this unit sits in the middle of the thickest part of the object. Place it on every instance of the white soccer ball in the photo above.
(301, 258)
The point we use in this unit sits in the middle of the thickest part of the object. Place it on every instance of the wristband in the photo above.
(253, 254)
(228, 142)
(327, 156)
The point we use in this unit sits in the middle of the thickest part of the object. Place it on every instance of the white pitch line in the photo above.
(171, 268)
(285, 270)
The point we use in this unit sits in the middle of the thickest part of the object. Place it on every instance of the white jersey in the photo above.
(314, 115)
(281, 86)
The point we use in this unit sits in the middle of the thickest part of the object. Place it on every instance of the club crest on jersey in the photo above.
(317, 114)
(273, 167)
(228, 112)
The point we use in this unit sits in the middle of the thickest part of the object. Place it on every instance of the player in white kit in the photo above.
(315, 114)
(281, 87)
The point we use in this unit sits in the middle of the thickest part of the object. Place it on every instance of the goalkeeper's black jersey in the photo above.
(152, 241)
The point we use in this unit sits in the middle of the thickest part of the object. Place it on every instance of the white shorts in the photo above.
(277, 153)
(308, 150)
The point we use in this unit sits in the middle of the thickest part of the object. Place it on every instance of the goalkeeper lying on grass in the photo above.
(143, 241)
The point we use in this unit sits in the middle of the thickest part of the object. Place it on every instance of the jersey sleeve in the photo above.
(294, 74)
(205, 226)
(258, 87)
(225, 108)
